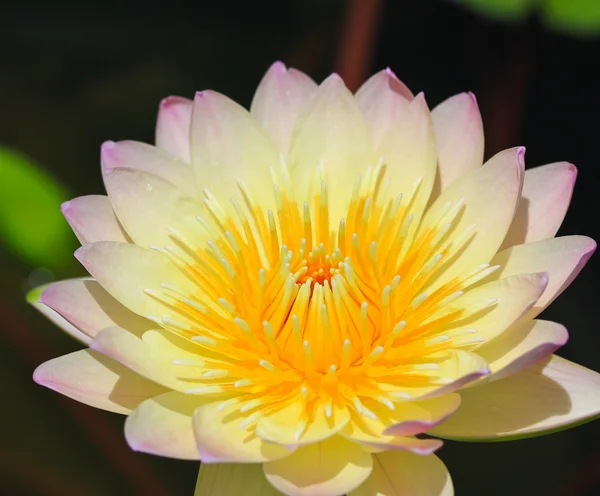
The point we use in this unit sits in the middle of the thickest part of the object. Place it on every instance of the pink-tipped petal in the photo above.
(34, 299)
(150, 159)
(562, 258)
(331, 135)
(278, 99)
(173, 126)
(153, 210)
(521, 346)
(459, 138)
(546, 197)
(490, 195)
(227, 145)
(96, 380)
(89, 307)
(92, 219)
(547, 397)
(162, 426)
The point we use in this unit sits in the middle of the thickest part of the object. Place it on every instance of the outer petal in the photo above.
(490, 194)
(151, 356)
(456, 371)
(148, 158)
(173, 126)
(150, 208)
(127, 272)
(546, 196)
(330, 131)
(379, 99)
(397, 473)
(406, 419)
(563, 258)
(278, 99)
(233, 478)
(503, 302)
(84, 303)
(328, 468)
(96, 380)
(33, 298)
(163, 426)
(459, 138)
(227, 144)
(547, 397)
(283, 426)
(522, 345)
(92, 219)
(220, 439)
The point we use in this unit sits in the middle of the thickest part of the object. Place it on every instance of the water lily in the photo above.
(292, 295)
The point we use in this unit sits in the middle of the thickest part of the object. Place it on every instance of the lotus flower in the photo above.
(292, 295)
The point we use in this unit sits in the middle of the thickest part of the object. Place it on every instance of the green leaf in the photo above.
(576, 17)
(31, 224)
(502, 10)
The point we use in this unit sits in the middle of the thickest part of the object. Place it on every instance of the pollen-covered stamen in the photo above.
(288, 309)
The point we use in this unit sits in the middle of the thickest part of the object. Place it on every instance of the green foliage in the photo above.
(574, 17)
(31, 224)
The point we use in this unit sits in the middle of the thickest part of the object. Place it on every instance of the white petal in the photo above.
(278, 99)
(224, 479)
(92, 219)
(459, 138)
(546, 196)
(173, 126)
(96, 380)
(162, 426)
(550, 396)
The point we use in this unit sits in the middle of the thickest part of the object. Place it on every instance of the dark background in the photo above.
(74, 76)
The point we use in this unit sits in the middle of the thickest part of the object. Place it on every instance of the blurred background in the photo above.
(73, 77)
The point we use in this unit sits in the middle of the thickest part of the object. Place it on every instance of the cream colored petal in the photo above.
(522, 345)
(330, 132)
(247, 479)
(379, 99)
(550, 396)
(92, 219)
(328, 468)
(96, 380)
(562, 258)
(458, 369)
(501, 303)
(152, 355)
(459, 138)
(150, 208)
(34, 297)
(398, 473)
(406, 419)
(163, 426)
(284, 425)
(220, 438)
(127, 271)
(150, 159)
(409, 151)
(227, 144)
(490, 194)
(278, 99)
(401, 443)
(89, 307)
(173, 126)
(546, 196)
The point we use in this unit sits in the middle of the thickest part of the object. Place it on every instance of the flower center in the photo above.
(346, 323)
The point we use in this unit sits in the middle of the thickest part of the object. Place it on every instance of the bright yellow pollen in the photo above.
(291, 309)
